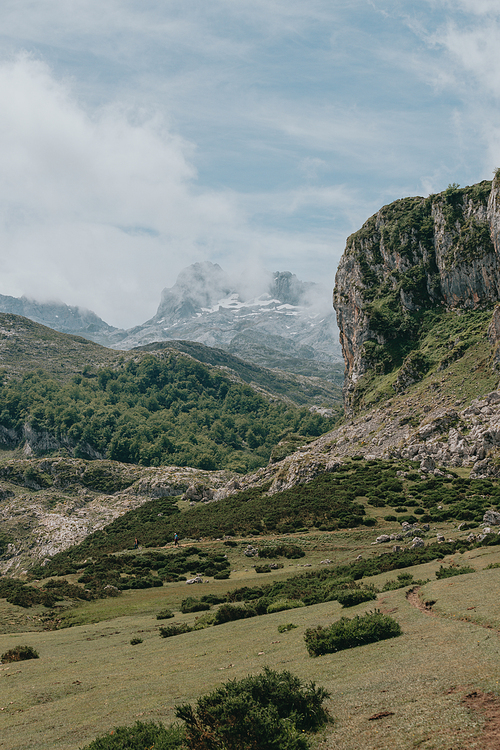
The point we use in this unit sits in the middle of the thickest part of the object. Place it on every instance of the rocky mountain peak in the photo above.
(197, 287)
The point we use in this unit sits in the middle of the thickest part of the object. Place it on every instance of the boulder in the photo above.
(492, 517)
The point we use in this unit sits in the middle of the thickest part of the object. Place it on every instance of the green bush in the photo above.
(403, 579)
(135, 641)
(290, 551)
(346, 633)
(191, 604)
(230, 612)
(165, 614)
(351, 597)
(281, 605)
(176, 629)
(270, 711)
(453, 570)
(140, 736)
(262, 569)
(19, 653)
(287, 627)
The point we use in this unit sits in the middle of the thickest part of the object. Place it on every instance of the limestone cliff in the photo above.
(416, 259)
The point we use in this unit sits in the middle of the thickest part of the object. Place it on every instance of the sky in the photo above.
(140, 136)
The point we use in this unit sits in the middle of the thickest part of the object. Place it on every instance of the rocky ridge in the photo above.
(414, 258)
(47, 505)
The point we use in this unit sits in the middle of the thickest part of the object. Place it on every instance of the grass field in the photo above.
(89, 678)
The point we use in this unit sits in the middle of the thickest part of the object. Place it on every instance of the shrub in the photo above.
(291, 551)
(19, 653)
(453, 570)
(351, 597)
(230, 612)
(346, 633)
(135, 641)
(175, 629)
(281, 605)
(403, 579)
(287, 627)
(139, 736)
(222, 576)
(262, 569)
(270, 711)
(191, 604)
(205, 620)
(165, 614)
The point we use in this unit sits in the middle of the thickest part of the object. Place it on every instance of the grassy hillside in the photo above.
(406, 692)
(452, 350)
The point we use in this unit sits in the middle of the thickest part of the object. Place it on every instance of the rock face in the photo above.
(417, 254)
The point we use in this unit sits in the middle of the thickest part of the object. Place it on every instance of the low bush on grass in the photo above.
(281, 605)
(231, 612)
(18, 593)
(403, 579)
(346, 633)
(290, 551)
(351, 597)
(262, 569)
(175, 629)
(165, 614)
(287, 627)
(270, 711)
(141, 736)
(192, 604)
(19, 653)
(205, 620)
(135, 641)
(453, 570)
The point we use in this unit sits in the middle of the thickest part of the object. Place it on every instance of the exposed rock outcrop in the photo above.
(417, 254)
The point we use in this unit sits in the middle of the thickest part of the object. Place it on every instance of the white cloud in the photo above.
(94, 202)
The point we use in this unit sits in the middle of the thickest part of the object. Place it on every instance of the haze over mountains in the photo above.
(286, 323)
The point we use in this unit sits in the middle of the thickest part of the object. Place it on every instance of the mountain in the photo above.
(288, 325)
(56, 315)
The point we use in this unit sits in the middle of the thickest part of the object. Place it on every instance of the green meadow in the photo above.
(89, 678)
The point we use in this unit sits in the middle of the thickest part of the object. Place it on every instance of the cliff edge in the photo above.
(416, 263)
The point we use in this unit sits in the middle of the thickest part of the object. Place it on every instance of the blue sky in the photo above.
(139, 137)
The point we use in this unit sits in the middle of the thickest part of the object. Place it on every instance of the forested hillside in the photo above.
(165, 409)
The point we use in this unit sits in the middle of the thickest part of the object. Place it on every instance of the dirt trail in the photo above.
(487, 705)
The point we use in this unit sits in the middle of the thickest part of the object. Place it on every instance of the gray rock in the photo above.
(492, 517)
(417, 542)
(383, 538)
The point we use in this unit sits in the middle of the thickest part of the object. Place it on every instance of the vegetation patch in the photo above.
(351, 597)
(163, 409)
(453, 570)
(346, 633)
(140, 736)
(271, 710)
(176, 629)
(19, 653)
